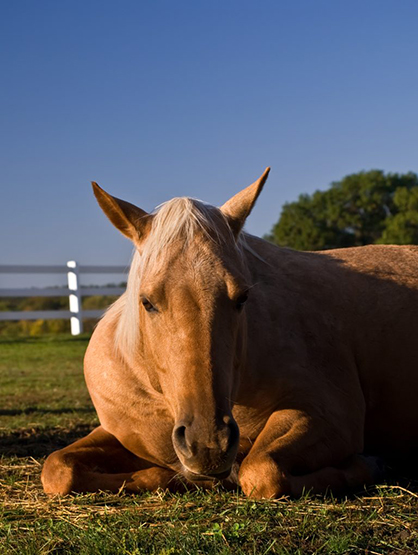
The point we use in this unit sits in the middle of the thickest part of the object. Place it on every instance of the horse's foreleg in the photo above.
(148, 479)
(296, 453)
(100, 462)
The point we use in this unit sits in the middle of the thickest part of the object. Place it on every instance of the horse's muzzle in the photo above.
(208, 453)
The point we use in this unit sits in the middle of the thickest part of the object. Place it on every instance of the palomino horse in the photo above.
(230, 359)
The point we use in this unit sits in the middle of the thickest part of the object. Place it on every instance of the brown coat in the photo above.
(232, 359)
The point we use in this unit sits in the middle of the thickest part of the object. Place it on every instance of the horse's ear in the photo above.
(238, 208)
(133, 222)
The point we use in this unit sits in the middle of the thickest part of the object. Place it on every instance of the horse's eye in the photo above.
(242, 299)
(149, 307)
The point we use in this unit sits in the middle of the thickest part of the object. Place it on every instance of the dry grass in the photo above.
(199, 522)
(380, 521)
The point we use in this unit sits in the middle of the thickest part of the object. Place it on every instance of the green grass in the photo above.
(44, 405)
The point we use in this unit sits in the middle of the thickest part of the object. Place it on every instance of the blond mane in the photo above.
(179, 219)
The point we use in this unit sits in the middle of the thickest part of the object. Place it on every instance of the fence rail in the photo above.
(73, 291)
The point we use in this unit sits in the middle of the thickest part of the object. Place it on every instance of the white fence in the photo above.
(73, 291)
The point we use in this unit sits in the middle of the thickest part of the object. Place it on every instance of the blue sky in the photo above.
(155, 99)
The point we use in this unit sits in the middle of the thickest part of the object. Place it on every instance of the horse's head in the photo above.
(184, 316)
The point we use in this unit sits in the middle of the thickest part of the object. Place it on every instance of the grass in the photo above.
(44, 405)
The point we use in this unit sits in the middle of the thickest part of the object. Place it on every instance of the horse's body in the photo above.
(319, 367)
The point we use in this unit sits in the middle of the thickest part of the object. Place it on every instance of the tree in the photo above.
(362, 208)
(402, 227)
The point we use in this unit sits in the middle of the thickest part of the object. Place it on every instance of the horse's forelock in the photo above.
(179, 220)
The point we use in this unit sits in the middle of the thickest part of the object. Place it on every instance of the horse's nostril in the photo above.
(179, 440)
(233, 434)
(210, 453)
(180, 434)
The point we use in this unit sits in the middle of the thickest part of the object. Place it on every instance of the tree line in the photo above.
(362, 208)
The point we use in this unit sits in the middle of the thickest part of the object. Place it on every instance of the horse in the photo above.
(232, 361)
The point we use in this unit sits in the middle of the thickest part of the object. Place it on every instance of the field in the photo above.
(44, 405)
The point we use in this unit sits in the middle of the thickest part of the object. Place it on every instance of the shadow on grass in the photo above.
(56, 339)
(40, 443)
(31, 410)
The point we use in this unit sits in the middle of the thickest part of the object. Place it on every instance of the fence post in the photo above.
(74, 298)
